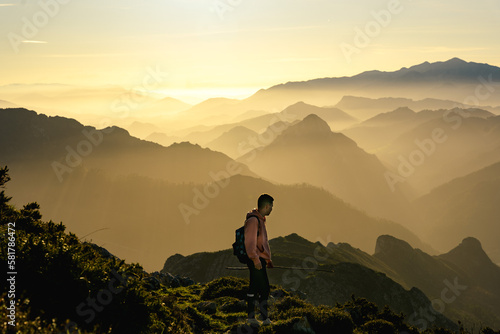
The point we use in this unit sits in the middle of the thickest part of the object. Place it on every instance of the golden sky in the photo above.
(232, 48)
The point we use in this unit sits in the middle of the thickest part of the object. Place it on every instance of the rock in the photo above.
(207, 307)
(303, 326)
(234, 306)
(185, 281)
(152, 283)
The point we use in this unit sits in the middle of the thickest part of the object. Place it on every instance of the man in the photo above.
(259, 254)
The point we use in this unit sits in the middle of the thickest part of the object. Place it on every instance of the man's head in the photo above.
(265, 204)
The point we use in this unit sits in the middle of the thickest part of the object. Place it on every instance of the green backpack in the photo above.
(239, 245)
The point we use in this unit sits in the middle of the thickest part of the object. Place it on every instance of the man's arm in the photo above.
(251, 229)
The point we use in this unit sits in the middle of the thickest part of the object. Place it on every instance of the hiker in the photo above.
(259, 254)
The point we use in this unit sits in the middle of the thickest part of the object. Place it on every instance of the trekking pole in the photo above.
(281, 267)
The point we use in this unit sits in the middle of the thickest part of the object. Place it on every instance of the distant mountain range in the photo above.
(379, 131)
(57, 145)
(110, 191)
(463, 283)
(453, 79)
(310, 152)
(364, 107)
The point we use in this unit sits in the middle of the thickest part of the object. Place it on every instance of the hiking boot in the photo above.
(266, 322)
(253, 322)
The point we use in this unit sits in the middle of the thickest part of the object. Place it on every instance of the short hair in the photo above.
(264, 199)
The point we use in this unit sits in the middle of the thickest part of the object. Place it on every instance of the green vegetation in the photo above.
(64, 285)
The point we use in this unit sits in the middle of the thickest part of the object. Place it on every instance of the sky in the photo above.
(232, 48)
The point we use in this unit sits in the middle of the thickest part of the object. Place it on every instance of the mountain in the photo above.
(310, 152)
(336, 118)
(142, 130)
(473, 300)
(178, 217)
(93, 291)
(57, 145)
(466, 206)
(364, 108)
(453, 79)
(169, 105)
(444, 148)
(162, 138)
(7, 104)
(462, 283)
(230, 142)
(213, 111)
(348, 276)
(381, 130)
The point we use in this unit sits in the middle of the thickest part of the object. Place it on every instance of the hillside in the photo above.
(442, 149)
(466, 206)
(92, 291)
(463, 283)
(355, 271)
(173, 217)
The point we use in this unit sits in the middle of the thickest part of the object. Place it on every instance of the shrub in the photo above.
(225, 286)
(379, 326)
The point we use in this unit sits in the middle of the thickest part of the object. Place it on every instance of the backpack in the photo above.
(239, 245)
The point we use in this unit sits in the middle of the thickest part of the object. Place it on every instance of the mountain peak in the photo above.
(387, 244)
(314, 123)
(468, 253)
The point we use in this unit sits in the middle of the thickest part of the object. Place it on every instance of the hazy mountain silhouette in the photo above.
(463, 282)
(381, 130)
(230, 142)
(162, 138)
(336, 118)
(142, 130)
(213, 111)
(364, 107)
(444, 148)
(310, 152)
(7, 104)
(57, 145)
(168, 105)
(466, 206)
(454, 79)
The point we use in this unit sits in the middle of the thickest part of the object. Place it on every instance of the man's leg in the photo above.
(263, 290)
(252, 290)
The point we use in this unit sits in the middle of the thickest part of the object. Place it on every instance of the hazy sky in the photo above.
(234, 47)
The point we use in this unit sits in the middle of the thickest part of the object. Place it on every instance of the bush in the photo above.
(226, 287)
(329, 320)
(379, 326)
